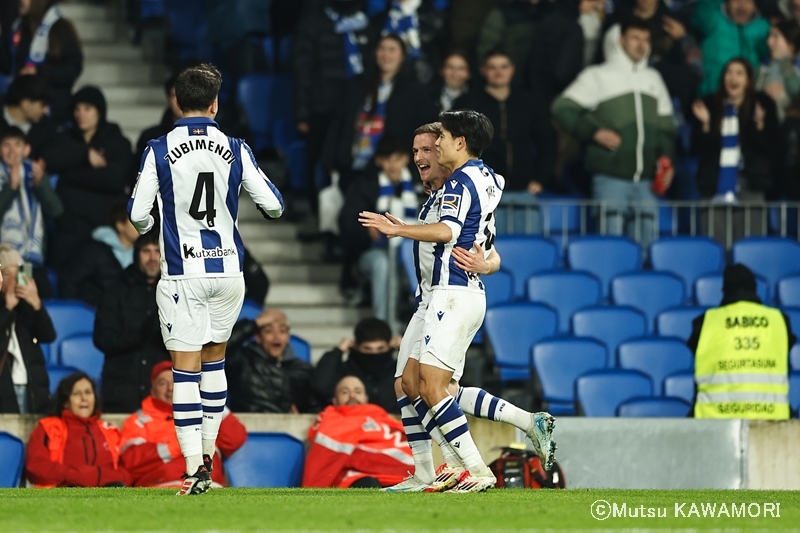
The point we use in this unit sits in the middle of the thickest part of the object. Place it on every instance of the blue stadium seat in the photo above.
(264, 98)
(794, 356)
(655, 357)
(52, 277)
(151, 9)
(677, 322)
(789, 291)
(600, 392)
(565, 291)
(12, 459)
(793, 313)
(794, 393)
(560, 218)
(650, 292)
(499, 287)
(609, 325)
(70, 317)
(772, 258)
(708, 290)
(189, 25)
(250, 309)
(681, 385)
(56, 373)
(558, 363)
(512, 330)
(525, 256)
(288, 141)
(654, 407)
(687, 257)
(267, 460)
(80, 352)
(604, 256)
(302, 349)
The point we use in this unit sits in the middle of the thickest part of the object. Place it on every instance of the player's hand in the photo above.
(96, 159)
(346, 344)
(674, 29)
(29, 293)
(379, 222)
(28, 69)
(38, 170)
(534, 187)
(471, 262)
(608, 139)
(303, 127)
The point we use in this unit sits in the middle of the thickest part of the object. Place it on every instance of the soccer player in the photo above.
(457, 304)
(195, 173)
(473, 401)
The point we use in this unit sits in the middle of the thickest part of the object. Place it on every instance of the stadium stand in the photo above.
(681, 385)
(677, 321)
(654, 407)
(600, 392)
(524, 257)
(687, 257)
(708, 290)
(70, 317)
(650, 292)
(619, 254)
(564, 291)
(655, 357)
(610, 325)
(12, 460)
(789, 291)
(267, 460)
(79, 351)
(772, 258)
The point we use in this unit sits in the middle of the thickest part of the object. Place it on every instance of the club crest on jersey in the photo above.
(450, 202)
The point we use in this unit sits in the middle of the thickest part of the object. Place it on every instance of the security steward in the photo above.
(741, 354)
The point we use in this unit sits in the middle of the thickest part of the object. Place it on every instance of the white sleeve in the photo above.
(144, 192)
(257, 184)
(456, 201)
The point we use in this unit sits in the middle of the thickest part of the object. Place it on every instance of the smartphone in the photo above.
(25, 271)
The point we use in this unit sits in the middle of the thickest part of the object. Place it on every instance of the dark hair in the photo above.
(27, 87)
(151, 237)
(748, 104)
(455, 52)
(13, 132)
(389, 145)
(64, 391)
(375, 78)
(372, 329)
(431, 128)
(790, 29)
(169, 84)
(635, 23)
(497, 52)
(196, 88)
(794, 109)
(475, 127)
(118, 213)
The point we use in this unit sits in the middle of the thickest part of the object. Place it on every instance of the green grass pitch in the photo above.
(228, 510)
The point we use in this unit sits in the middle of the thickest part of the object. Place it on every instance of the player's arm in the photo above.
(394, 227)
(144, 192)
(476, 262)
(257, 184)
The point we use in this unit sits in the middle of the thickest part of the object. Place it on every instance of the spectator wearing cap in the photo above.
(264, 374)
(24, 326)
(25, 106)
(741, 354)
(149, 445)
(127, 331)
(92, 160)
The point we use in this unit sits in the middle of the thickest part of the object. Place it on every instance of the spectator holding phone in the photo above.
(24, 325)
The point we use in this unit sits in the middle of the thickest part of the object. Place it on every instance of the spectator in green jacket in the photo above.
(512, 29)
(730, 28)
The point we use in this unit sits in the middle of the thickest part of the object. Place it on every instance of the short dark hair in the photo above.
(636, 23)
(389, 145)
(790, 29)
(13, 132)
(31, 87)
(151, 237)
(475, 127)
(118, 213)
(64, 391)
(169, 84)
(455, 52)
(196, 88)
(372, 329)
(495, 53)
(431, 128)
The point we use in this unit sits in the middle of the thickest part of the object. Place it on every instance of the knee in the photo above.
(410, 387)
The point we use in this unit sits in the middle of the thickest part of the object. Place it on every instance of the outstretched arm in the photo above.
(259, 187)
(393, 227)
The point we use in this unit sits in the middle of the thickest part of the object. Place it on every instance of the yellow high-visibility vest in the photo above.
(742, 363)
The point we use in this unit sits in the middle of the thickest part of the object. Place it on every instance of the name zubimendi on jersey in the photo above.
(199, 144)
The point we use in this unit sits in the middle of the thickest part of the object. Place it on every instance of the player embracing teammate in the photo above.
(456, 223)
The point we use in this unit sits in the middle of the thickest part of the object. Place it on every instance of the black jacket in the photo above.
(90, 273)
(41, 135)
(259, 383)
(789, 153)
(127, 331)
(527, 126)
(319, 79)
(153, 132)
(61, 68)
(408, 107)
(32, 328)
(361, 195)
(378, 381)
(759, 149)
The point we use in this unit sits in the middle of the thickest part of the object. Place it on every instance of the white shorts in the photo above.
(196, 311)
(451, 322)
(411, 343)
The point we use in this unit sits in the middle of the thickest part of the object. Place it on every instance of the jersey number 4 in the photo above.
(205, 182)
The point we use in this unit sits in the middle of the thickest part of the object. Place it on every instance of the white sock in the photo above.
(187, 410)
(418, 440)
(453, 423)
(214, 394)
(425, 416)
(477, 402)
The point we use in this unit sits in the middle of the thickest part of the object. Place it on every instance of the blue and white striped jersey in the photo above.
(423, 251)
(195, 172)
(469, 199)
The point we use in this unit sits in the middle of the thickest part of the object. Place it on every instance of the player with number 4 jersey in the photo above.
(195, 173)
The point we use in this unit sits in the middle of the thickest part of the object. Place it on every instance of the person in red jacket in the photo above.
(150, 449)
(74, 448)
(356, 444)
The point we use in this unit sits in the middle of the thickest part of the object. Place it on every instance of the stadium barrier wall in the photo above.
(623, 453)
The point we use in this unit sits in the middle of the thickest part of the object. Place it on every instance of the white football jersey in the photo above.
(195, 172)
(469, 199)
(423, 251)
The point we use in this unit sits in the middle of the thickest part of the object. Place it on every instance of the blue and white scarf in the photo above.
(347, 28)
(40, 43)
(730, 155)
(403, 206)
(403, 22)
(23, 227)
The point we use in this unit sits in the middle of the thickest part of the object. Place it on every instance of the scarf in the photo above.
(41, 40)
(402, 21)
(730, 156)
(23, 227)
(449, 96)
(399, 199)
(346, 27)
(369, 127)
